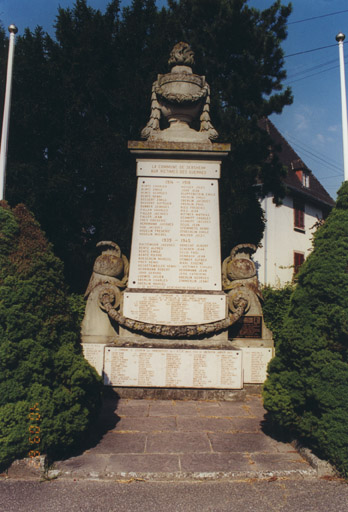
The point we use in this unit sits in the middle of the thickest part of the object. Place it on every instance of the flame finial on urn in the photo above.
(180, 97)
(182, 54)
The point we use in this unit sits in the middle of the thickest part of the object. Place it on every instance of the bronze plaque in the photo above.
(248, 327)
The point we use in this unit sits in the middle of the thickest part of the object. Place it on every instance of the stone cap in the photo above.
(170, 148)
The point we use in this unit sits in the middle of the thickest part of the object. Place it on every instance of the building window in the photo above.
(303, 176)
(298, 260)
(305, 179)
(299, 209)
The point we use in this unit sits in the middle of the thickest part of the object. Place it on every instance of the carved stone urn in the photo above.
(180, 94)
(180, 97)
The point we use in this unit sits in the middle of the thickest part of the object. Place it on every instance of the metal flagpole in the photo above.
(6, 117)
(340, 38)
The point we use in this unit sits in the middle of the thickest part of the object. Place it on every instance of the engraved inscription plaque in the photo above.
(255, 361)
(174, 308)
(94, 353)
(173, 368)
(179, 168)
(176, 235)
(248, 327)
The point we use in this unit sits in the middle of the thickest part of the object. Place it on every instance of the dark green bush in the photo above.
(307, 387)
(40, 354)
(275, 306)
(77, 306)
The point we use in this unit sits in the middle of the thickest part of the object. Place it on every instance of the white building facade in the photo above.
(284, 246)
(289, 229)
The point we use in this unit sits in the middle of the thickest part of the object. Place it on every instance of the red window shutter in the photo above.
(299, 208)
(298, 260)
(299, 174)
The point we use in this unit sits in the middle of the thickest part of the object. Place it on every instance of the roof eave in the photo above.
(308, 195)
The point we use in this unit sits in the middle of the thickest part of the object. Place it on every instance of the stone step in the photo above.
(185, 394)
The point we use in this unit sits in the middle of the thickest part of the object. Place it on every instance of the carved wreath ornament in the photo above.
(110, 276)
(106, 301)
(171, 97)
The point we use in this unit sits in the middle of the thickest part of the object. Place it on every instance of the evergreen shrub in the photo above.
(77, 306)
(274, 308)
(307, 387)
(49, 394)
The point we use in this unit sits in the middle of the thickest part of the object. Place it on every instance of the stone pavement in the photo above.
(156, 440)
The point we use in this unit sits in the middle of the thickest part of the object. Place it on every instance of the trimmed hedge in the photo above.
(49, 394)
(307, 387)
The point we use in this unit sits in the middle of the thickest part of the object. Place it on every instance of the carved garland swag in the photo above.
(239, 294)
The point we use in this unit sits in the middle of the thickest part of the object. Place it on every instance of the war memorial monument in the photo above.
(174, 316)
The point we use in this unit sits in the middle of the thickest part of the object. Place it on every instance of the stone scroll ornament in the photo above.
(180, 97)
(110, 271)
(110, 274)
(239, 279)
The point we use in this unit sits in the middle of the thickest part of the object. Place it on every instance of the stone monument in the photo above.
(172, 318)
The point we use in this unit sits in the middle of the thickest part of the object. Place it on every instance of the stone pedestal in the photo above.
(175, 280)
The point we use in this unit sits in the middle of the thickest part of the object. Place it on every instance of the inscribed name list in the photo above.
(255, 362)
(94, 353)
(175, 308)
(173, 368)
(176, 235)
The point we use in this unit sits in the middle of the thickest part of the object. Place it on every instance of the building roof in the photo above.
(288, 157)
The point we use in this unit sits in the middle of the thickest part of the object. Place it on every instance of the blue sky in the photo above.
(312, 124)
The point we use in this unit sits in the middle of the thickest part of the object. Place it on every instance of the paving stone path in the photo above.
(183, 440)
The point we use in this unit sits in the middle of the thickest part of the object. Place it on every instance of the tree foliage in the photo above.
(40, 355)
(78, 98)
(307, 385)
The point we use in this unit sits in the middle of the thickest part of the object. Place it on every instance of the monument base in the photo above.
(213, 365)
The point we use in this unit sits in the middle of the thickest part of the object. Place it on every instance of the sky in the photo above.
(312, 124)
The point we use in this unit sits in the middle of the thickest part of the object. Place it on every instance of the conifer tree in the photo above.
(78, 99)
(307, 386)
(49, 394)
